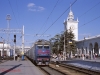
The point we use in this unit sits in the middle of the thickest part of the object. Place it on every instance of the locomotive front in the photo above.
(43, 52)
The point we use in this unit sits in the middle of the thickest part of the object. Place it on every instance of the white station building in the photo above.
(6, 49)
(87, 46)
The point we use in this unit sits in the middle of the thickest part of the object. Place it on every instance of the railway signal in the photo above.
(15, 38)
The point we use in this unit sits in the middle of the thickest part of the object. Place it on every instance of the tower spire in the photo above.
(70, 7)
(71, 15)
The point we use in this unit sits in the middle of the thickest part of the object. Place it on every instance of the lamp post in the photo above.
(70, 42)
(64, 52)
(8, 18)
(51, 43)
(57, 38)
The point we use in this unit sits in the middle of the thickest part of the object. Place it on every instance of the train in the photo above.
(40, 52)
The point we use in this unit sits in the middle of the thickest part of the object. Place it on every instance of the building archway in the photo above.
(90, 48)
(96, 49)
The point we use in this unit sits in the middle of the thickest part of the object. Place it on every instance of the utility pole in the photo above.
(23, 44)
(64, 52)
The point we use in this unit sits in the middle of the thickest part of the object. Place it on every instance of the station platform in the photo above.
(90, 60)
(25, 67)
(91, 64)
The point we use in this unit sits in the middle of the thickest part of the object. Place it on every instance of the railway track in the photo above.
(73, 70)
(51, 71)
(66, 69)
(47, 70)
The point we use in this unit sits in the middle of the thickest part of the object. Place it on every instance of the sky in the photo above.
(46, 17)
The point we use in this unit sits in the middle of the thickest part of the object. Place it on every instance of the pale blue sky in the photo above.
(34, 15)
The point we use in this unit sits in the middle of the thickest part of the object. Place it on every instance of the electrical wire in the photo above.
(59, 17)
(89, 9)
(13, 12)
(49, 16)
(90, 21)
(18, 11)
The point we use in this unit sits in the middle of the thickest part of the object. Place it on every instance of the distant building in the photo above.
(4, 49)
(19, 49)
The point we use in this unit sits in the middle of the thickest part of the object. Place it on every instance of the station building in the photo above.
(4, 49)
(87, 46)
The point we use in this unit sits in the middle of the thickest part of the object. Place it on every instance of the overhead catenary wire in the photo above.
(18, 12)
(49, 15)
(59, 17)
(87, 12)
(13, 12)
(89, 9)
(90, 21)
(80, 16)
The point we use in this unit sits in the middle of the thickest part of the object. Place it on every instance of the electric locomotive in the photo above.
(40, 52)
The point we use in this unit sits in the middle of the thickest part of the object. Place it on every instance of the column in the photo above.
(71, 55)
(99, 51)
(91, 55)
(84, 51)
(80, 51)
(87, 51)
(93, 50)
(77, 51)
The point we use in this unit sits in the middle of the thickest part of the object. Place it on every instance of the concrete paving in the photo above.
(19, 68)
(91, 60)
(91, 64)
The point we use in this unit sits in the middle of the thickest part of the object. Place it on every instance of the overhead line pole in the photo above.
(8, 18)
(23, 43)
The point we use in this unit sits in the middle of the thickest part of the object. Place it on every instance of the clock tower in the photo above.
(72, 24)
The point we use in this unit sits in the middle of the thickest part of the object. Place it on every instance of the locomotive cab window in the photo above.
(39, 46)
(46, 46)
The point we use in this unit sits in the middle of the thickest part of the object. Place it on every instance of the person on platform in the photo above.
(82, 56)
(15, 56)
(18, 57)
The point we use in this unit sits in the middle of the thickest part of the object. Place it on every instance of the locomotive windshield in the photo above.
(46, 46)
(39, 46)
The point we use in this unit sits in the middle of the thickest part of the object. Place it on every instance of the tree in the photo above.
(55, 44)
(69, 42)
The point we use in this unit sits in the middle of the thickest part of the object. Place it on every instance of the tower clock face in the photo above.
(72, 27)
